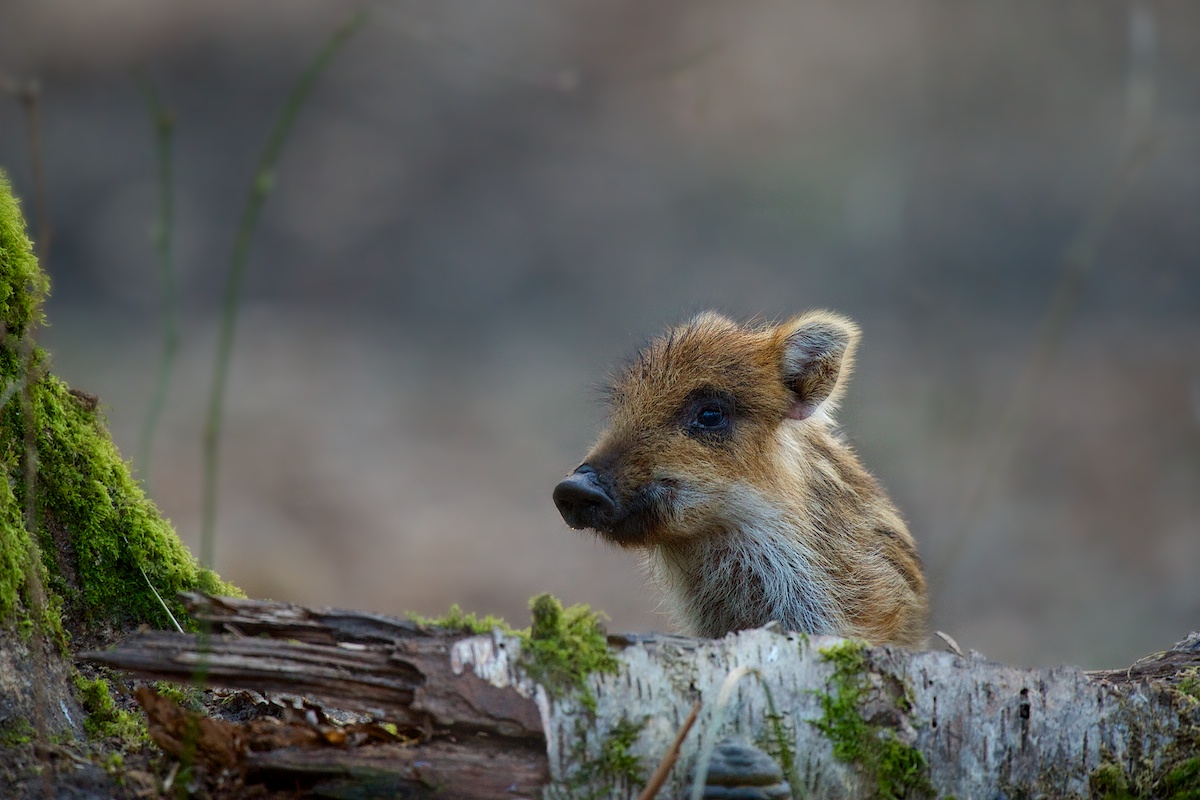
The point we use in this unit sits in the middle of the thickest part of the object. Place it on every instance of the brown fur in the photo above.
(768, 514)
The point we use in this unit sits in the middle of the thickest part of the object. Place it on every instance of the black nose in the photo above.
(582, 501)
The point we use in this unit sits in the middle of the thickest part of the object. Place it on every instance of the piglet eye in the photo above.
(710, 417)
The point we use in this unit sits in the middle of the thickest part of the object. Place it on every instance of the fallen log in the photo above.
(841, 719)
(358, 759)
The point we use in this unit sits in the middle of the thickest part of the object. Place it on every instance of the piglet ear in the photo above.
(818, 352)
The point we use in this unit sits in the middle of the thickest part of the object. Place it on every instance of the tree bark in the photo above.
(477, 726)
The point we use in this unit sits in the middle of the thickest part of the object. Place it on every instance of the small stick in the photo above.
(668, 762)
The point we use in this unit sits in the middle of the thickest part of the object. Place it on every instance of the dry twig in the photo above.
(668, 761)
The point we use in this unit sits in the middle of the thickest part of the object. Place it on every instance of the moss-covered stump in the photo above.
(101, 549)
(96, 530)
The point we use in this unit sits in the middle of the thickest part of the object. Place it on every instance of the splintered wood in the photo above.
(436, 722)
(451, 714)
(360, 755)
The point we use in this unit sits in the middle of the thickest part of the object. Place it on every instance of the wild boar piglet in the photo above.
(723, 462)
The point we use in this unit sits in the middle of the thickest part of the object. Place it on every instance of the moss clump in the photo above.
(22, 283)
(14, 552)
(898, 769)
(1108, 782)
(1189, 684)
(22, 287)
(114, 764)
(612, 773)
(1180, 781)
(616, 767)
(189, 697)
(778, 739)
(616, 762)
(105, 720)
(16, 732)
(564, 646)
(97, 532)
(560, 648)
(460, 620)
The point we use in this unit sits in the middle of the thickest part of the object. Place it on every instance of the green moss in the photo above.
(564, 646)
(16, 732)
(14, 553)
(97, 531)
(1180, 781)
(461, 620)
(114, 764)
(1189, 684)
(104, 719)
(616, 759)
(840, 720)
(1170, 770)
(559, 649)
(616, 764)
(89, 503)
(22, 284)
(22, 287)
(899, 770)
(1183, 781)
(778, 738)
(613, 773)
(189, 697)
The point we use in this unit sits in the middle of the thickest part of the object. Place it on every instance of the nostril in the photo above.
(582, 501)
(580, 491)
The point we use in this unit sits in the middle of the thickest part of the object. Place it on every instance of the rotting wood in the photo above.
(980, 727)
(367, 756)
(473, 732)
(367, 663)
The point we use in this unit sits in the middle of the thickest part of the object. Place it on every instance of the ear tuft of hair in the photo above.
(818, 354)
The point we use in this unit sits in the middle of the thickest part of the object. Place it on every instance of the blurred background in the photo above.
(486, 205)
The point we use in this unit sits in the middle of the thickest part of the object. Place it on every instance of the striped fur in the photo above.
(724, 463)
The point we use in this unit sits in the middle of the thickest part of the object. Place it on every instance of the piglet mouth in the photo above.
(586, 500)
